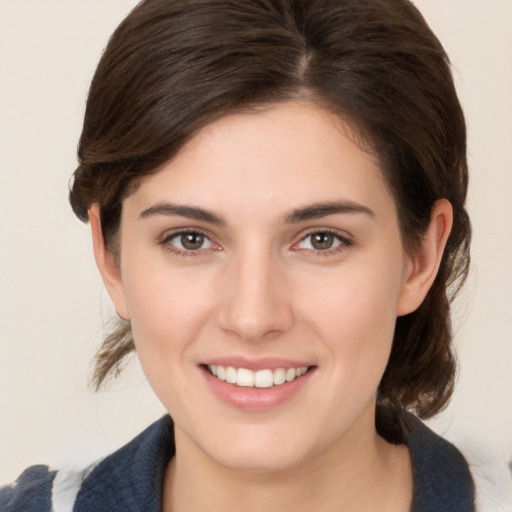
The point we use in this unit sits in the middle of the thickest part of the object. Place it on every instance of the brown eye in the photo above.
(322, 241)
(188, 242)
(192, 241)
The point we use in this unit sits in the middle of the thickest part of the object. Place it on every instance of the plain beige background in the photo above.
(51, 296)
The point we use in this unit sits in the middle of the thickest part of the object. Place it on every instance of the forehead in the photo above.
(288, 154)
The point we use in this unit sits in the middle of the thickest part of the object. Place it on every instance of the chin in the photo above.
(257, 460)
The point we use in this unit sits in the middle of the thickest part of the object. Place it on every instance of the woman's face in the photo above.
(267, 248)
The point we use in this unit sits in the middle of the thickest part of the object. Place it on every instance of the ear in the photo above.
(107, 264)
(422, 266)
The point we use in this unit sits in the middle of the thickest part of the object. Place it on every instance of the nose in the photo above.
(257, 302)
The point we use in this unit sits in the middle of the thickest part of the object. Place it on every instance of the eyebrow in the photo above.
(190, 212)
(319, 210)
(309, 212)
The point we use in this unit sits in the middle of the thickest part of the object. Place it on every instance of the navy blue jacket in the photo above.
(131, 479)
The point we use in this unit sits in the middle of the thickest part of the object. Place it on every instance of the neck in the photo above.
(361, 472)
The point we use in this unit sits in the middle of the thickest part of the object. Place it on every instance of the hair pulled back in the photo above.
(173, 66)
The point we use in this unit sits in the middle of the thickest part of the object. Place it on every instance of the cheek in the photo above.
(165, 315)
(355, 314)
(363, 294)
(168, 309)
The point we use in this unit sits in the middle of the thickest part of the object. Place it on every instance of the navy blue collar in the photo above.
(442, 481)
(131, 479)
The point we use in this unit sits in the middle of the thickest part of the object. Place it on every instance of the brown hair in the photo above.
(173, 66)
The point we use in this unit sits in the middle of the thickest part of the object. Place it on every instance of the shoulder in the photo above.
(457, 474)
(442, 478)
(30, 493)
(39, 489)
(117, 482)
(492, 477)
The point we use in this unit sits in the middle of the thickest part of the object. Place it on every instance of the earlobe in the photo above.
(107, 265)
(422, 267)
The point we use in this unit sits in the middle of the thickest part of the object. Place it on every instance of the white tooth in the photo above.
(245, 377)
(231, 375)
(221, 372)
(279, 376)
(263, 379)
(290, 374)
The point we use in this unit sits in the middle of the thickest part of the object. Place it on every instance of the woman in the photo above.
(276, 194)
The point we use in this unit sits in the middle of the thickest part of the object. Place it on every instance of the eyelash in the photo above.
(165, 242)
(344, 243)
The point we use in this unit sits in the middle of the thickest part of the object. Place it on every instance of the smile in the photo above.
(265, 378)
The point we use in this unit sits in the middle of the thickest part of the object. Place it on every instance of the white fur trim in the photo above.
(65, 487)
(492, 477)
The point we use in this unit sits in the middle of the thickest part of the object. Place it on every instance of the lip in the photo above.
(256, 399)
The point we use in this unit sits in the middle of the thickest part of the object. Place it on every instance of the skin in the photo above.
(257, 287)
